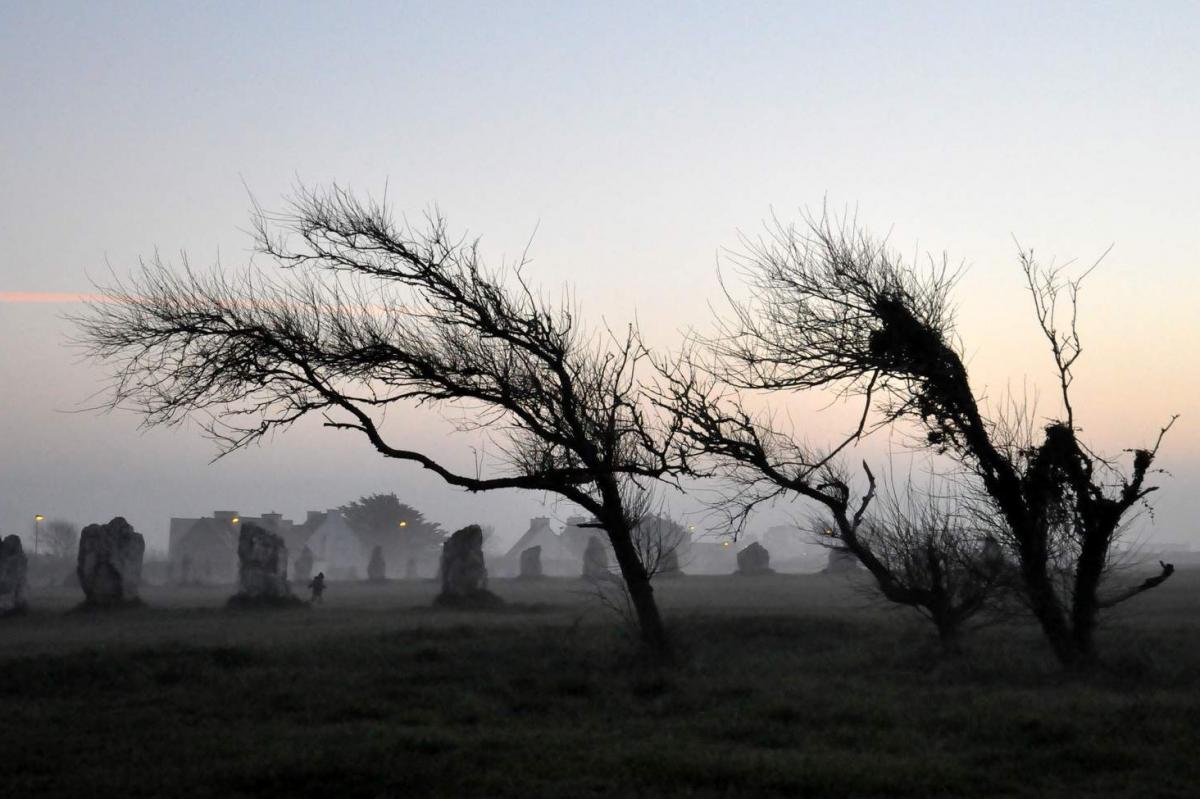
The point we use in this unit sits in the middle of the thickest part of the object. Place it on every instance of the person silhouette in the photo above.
(317, 586)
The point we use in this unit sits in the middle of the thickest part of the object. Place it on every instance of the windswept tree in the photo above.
(928, 550)
(367, 314)
(832, 308)
(924, 556)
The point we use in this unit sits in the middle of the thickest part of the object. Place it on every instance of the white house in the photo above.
(337, 550)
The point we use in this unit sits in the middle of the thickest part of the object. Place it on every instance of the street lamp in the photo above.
(37, 530)
(404, 524)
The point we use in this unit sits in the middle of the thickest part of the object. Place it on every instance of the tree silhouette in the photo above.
(660, 540)
(831, 307)
(373, 314)
(402, 530)
(62, 538)
(927, 550)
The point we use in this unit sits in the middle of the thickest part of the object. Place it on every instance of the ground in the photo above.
(790, 686)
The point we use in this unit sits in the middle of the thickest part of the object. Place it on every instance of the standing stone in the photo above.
(595, 560)
(754, 560)
(304, 566)
(531, 563)
(110, 563)
(464, 572)
(14, 568)
(262, 568)
(376, 569)
(841, 561)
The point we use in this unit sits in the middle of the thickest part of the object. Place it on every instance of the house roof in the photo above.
(538, 535)
(575, 537)
(204, 533)
(334, 525)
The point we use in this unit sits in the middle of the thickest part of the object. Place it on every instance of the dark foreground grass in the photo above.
(762, 705)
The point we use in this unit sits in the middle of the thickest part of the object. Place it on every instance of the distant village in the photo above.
(375, 538)
(204, 550)
(379, 537)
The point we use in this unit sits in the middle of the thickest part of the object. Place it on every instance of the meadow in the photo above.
(789, 685)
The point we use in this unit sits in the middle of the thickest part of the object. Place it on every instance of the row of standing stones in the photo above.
(595, 563)
(753, 560)
(109, 568)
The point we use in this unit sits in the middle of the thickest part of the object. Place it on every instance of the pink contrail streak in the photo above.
(30, 297)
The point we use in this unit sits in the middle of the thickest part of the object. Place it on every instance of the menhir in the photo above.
(14, 568)
(109, 565)
(464, 572)
(262, 568)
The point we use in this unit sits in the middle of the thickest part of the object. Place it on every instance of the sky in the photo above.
(628, 145)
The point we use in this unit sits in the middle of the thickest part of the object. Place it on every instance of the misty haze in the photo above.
(618, 400)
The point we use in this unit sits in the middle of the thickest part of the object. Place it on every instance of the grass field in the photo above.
(788, 686)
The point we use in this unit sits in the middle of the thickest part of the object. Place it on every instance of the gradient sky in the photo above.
(638, 140)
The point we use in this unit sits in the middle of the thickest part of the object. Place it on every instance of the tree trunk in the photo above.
(947, 630)
(1049, 612)
(1085, 598)
(641, 594)
(1044, 601)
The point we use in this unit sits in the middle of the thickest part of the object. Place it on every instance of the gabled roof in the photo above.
(334, 525)
(575, 537)
(538, 535)
(207, 532)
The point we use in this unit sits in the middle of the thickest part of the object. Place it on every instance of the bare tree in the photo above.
(922, 555)
(62, 538)
(660, 541)
(657, 537)
(372, 314)
(929, 552)
(833, 308)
